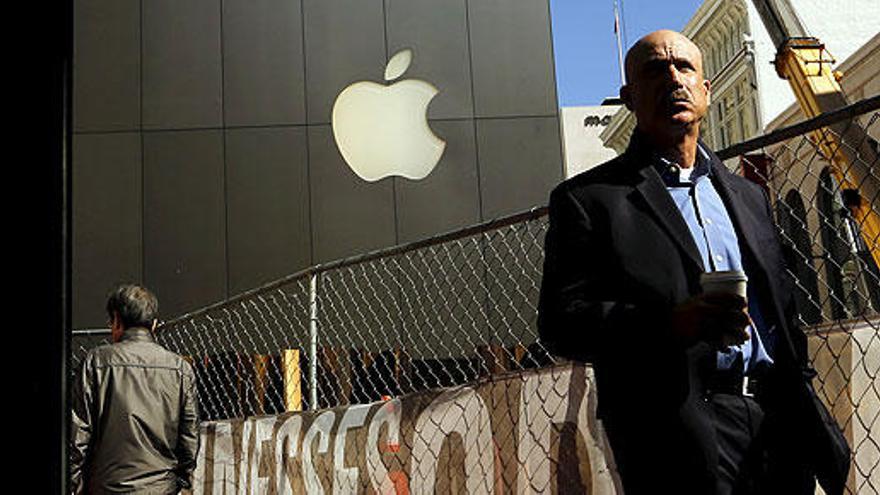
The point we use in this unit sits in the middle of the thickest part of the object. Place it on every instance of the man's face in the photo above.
(666, 88)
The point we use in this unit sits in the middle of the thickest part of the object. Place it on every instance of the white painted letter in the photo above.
(262, 433)
(224, 459)
(247, 428)
(199, 474)
(460, 411)
(345, 480)
(321, 428)
(543, 401)
(289, 430)
(388, 414)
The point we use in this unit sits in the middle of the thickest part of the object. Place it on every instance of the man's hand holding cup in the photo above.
(718, 315)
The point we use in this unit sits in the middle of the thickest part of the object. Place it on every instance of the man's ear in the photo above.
(708, 85)
(116, 329)
(626, 96)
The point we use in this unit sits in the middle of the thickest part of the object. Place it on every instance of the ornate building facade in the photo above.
(841, 275)
(749, 98)
(747, 94)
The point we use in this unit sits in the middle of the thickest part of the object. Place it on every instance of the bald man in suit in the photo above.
(700, 393)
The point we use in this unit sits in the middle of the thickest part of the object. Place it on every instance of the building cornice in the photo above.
(860, 56)
(704, 12)
(619, 129)
(712, 9)
(731, 71)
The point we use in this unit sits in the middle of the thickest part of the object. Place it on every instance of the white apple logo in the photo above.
(382, 130)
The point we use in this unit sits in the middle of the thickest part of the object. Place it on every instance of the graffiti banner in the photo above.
(527, 432)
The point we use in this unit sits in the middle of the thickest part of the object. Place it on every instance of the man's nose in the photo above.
(673, 74)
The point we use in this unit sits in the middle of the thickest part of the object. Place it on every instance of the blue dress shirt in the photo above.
(713, 232)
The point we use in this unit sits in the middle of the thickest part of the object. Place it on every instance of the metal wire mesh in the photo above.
(462, 306)
(823, 185)
(525, 432)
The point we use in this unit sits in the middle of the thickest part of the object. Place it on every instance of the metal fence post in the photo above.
(313, 342)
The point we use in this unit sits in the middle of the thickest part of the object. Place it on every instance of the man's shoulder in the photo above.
(102, 352)
(745, 183)
(137, 353)
(607, 176)
(741, 183)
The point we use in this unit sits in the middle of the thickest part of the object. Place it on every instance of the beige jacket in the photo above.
(135, 419)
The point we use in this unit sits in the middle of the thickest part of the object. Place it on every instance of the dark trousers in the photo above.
(718, 451)
(727, 444)
(738, 425)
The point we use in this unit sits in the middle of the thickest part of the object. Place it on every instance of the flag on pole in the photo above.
(616, 21)
(619, 45)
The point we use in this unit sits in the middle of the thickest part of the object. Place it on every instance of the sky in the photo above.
(585, 48)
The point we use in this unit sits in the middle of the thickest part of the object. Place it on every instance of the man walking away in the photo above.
(135, 411)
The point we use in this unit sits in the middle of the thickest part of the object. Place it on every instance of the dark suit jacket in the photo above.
(618, 257)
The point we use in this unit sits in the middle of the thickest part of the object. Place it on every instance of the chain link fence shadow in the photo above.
(461, 308)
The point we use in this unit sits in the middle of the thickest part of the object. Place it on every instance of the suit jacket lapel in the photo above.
(652, 189)
(743, 220)
(746, 226)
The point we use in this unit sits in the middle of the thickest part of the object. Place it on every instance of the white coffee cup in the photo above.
(724, 282)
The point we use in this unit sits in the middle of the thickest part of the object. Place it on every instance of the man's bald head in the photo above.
(665, 86)
(646, 45)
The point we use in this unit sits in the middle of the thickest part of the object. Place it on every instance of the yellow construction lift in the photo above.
(804, 62)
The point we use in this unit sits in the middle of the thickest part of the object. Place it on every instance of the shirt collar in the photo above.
(670, 172)
(137, 334)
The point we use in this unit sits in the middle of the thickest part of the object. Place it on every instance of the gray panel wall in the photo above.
(106, 83)
(181, 64)
(437, 34)
(512, 58)
(225, 105)
(263, 63)
(184, 219)
(107, 226)
(268, 205)
(349, 216)
(344, 43)
(520, 162)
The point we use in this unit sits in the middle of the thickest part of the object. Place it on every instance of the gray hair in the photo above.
(135, 305)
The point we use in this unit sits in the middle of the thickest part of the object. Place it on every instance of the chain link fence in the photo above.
(823, 178)
(462, 306)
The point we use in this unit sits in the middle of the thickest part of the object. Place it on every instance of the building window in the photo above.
(852, 276)
(715, 61)
(731, 42)
(733, 114)
(792, 217)
(740, 114)
(710, 69)
(756, 122)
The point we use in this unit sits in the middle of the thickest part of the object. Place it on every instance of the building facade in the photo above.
(844, 281)
(581, 146)
(747, 94)
(749, 99)
(204, 161)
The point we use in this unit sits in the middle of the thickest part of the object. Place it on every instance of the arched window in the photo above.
(792, 218)
(852, 275)
(725, 49)
(716, 64)
(731, 41)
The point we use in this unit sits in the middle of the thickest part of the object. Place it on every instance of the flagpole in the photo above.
(619, 45)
